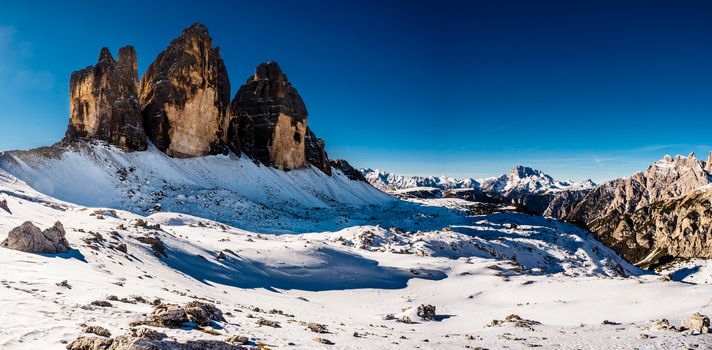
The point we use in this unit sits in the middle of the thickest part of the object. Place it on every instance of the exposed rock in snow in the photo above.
(30, 239)
(172, 315)
(697, 323)
(104, 102)
(185, 97)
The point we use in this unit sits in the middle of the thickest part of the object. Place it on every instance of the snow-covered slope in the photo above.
(472, 268)
(223, 188)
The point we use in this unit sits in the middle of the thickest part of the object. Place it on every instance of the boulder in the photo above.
(270, 124)
(30, 239)
(426, 312)
(103, 102)
(173, 315)
(697, 323)
(185, 97)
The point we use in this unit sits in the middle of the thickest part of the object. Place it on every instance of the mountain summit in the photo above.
(183, 107)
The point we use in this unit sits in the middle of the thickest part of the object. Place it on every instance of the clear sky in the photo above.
(579, 89)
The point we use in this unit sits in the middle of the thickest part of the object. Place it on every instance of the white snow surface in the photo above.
(223, 188)
(347, 275)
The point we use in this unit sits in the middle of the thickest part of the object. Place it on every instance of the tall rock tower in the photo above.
(271, 123)
(104, 102)
(185, 97)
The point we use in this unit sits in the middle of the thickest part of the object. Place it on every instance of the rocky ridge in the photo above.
(659, 213)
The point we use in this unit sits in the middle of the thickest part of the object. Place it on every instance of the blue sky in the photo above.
(578, 89)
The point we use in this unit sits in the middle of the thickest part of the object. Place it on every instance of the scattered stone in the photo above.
(426, 312)
(389, 317)
(663, 325)
(317, 328)
(155, 243)
(323, 341)
(29, 238)
(406, 320)
(101, 303)
(3, 206)
(174, 315)
(64, 284)
(609, 323)
(122, 248)
(516, 321)
(265, 322)
(98, 330)
(238, 339)
(220, 256)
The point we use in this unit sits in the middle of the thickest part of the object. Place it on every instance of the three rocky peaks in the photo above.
(182, 105)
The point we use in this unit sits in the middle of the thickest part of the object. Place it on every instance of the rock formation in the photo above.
(182, 105)
(271, 120)
(104, 102)
(641, 217)
(185, 97)
(562, 203)
(29, 238)
(674, 228)
(348, 170)
(316, 152)
(666, 178)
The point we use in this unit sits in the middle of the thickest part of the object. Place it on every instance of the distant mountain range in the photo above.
(523, 185)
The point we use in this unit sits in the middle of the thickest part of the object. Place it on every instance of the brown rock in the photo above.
(104, 102)
(185, 97)
(697, 323)
(30, 239)
(271, 120)
(643, 217)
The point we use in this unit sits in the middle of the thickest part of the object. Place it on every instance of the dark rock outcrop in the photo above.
(104, 102)
(316, 152)
(347, 170)
(185, 97)
(29, 238)
(271, 120)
